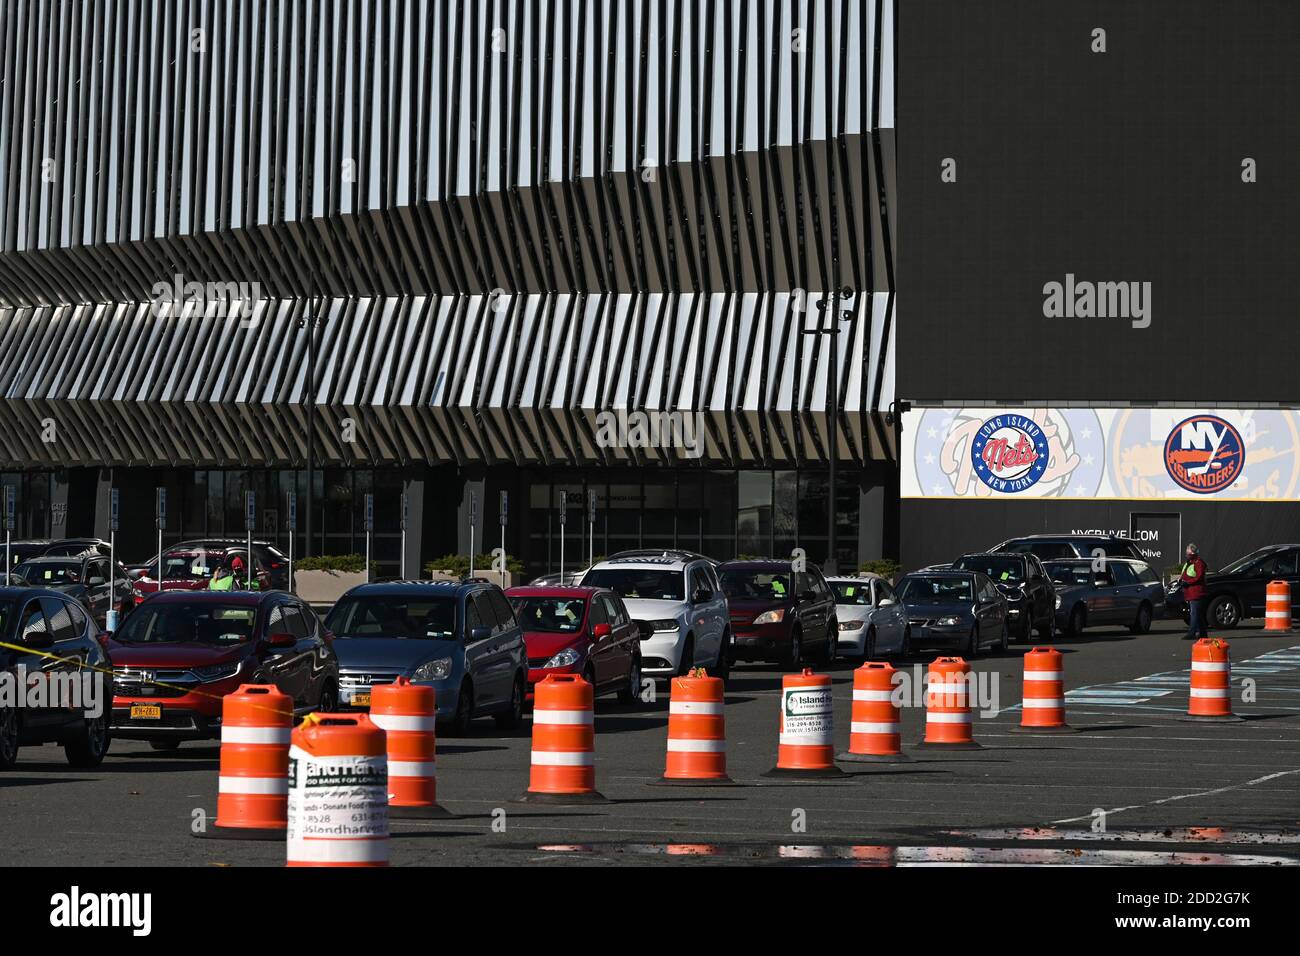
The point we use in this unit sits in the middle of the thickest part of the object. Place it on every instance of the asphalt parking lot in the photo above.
(1173, 791)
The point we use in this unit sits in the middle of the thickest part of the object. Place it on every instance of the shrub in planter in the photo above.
(456, 566)
(887, 568)
(324, 579)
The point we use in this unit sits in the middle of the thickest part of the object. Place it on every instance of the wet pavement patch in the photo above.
(1195, 835)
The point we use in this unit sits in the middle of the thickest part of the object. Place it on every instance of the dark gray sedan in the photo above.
(961, 610)
(1121, 591)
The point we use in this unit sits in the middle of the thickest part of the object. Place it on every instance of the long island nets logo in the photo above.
(1204, 454)
(1009, 453)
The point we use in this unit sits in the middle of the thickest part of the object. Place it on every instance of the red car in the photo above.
(192, 569)
(179, 654)
(576, 630)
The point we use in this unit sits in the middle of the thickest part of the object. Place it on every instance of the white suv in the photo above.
(676, 593)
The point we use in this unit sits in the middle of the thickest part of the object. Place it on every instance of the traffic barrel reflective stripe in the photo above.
(338, 792)
(1042, 705)
(947, 705)
(697, 737)
(805, 738)
(564, 742)
(875, 730)
(1210, 693)
(1277, 608)
(252, 789)
(407, 713)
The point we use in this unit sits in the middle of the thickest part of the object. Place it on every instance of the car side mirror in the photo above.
(95, 581)
(38, 639)
(281, 640)
(887, 602)
(479, 632)
(600, 630)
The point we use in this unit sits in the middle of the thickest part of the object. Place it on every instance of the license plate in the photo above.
(361, 700)
(146, 711)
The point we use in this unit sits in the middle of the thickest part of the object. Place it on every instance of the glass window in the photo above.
(1004, 570)
(59, 618)
(756, 585)
(505, 614)
(614, 609)
(79, 619)
(599, 615)
(1146, 575)
(754, 514)
(659, 512)
(650, 583)
(33, 622)
(1122, 573)
(719, 513)
(936, 589)
(689, 512)
(852, 593)
(785, 512)
(297, 627)
(414, 618)
(215, 624)
(550, 615)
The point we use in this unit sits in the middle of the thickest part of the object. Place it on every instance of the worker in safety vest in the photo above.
(243, 577)
(1193, 582)
(222, 580)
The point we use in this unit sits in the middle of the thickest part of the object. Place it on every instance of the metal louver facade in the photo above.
(507, 218)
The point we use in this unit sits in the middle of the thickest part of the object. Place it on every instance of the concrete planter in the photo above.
(325, 587)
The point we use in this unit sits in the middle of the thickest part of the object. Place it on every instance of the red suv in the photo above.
(180, 653)
(576, 630)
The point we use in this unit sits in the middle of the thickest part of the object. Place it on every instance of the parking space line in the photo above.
(1185, 796)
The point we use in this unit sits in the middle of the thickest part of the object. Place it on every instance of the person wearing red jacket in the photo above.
(1193, 583)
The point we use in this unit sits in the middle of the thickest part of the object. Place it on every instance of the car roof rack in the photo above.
(657, 553)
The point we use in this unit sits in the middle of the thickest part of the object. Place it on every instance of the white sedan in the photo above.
(872, 619)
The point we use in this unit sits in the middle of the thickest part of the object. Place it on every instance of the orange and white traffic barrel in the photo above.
(1210, 696)
(564, 743)
(1277, 608)
(697, 737)
(252, 792)
(407, 713)
(947, 705)
(1042, 705)
(806, 742)
(875, 732)
(338, 792)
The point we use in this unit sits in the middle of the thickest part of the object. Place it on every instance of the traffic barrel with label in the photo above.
(1211, 684)
(252, 791)
(407, 713)
(947, 705)
(1277, 608)
(338, 792)
(697, 737)
(1042, 707)
(875, 730)
(806, 741)
(563, 767)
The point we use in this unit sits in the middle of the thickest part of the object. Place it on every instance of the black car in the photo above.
(958, 610)
(273, 561)
(779, 614)
(20, 551)
(1238, 591)
(84, 577)
(46, 632)
(1050, 547)
(1031, 599)
(1122, 591)
(68, 547)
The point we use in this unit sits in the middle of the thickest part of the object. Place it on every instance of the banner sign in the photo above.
(1116, 453)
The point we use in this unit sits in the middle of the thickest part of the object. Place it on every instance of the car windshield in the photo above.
(49, 573)
(935, 589)
(1069, 573)
(550, 615)
(432, 619)
(651, 583)
(756, 585)
(1253, 558)
(1001, 570)
(188, 565)
(851, 592)
(198, 623)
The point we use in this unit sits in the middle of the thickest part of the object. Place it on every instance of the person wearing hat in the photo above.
(1193, 584)
(222, 580)
(237, 569)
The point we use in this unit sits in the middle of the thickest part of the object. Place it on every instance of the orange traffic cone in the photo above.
(407, 713)
(947, 706)
(806, 746)
(1210, 697)
(252, 792)
(564, 738)
(1042, 707)
(697, 737)
(874, 733)
(338, 792)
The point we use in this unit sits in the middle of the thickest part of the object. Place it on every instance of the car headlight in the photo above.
(948, 621)
(215, 672)
(771, 617)
(851, 625)
(669, 624)
(433, 670)
(1058, 602)
(563, 659)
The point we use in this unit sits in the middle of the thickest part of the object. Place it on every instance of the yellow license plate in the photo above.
(146, 711)
(361, 700)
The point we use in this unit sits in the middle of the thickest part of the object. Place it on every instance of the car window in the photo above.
(884, 592)
(757, 585)
(599, 613)
(297, 627)
(486, 613)
(33, 621)
(700, 581)
(852, 593)
(179, 623)
(275, 622)
(1048, 550)
(504, 612)
(1146, 575)
(78, 619)
(1005, 569)
(417, 618)
(614, 610)
(1069, 573)
(936, 589)
(49, 573)
(1284, 562)
(638, 583)
(59, 618)
(1122, 573)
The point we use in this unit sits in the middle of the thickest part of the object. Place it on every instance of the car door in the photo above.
(509, 648)
(99, 596)
(600, 648)
(283, 665)
(1041, 593)
(1128, 592)
(626, 635)
(1285, 569)
(708, 611)
(40, 654)
(991, 610)
(885, 617)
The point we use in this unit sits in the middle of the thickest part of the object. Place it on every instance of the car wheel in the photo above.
(1078, 620)
(631, 691)
(973, 644)
(509, 719)
(8, 738)
(1224, 612)
(88, 747)
(722, 667)
(458, 726)
(166, 746)
(329, 699)
(1142, 623)
(795, 660)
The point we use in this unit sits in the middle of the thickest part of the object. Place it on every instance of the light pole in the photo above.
(831, 304)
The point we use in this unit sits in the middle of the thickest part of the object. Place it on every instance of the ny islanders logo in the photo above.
(1009, 453)
(1204, 454)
